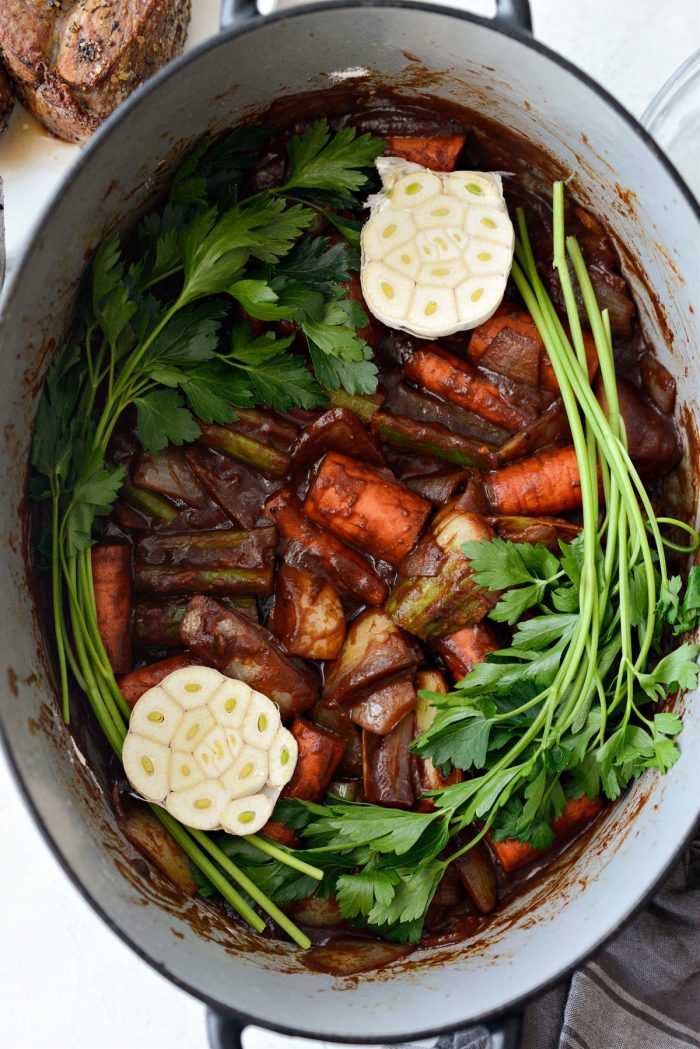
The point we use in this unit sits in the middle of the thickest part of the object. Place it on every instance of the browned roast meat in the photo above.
(7, 97)
(73, 61)
(241, 649)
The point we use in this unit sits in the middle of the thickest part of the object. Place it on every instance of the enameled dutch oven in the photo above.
(492, 67)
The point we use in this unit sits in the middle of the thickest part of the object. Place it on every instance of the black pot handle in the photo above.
(514, 14)
(226, 1032)
(510, 14)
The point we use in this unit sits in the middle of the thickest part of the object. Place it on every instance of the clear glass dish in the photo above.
(673, 119)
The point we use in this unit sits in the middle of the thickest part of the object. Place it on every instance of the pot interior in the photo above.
(419, 53)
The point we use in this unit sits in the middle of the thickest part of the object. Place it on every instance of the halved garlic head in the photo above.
(436, 250)
(210, 749)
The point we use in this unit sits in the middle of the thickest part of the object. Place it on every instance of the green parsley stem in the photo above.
(251, 889)
(284, 857)
(209, 869)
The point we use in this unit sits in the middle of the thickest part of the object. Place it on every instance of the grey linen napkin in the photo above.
(641, 991)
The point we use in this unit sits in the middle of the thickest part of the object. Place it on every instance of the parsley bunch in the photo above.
(564, 710)
(154, 336)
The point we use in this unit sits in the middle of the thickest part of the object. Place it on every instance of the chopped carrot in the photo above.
(458, 381)
(317, 550)
(320, 753)
(547, 482)
(132, 686)
(577, 813)
(111, 579)
(469, 646)
(439, 154)
(366, 507)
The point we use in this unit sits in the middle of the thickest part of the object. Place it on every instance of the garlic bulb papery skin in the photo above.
(209, 749)
(437, 249)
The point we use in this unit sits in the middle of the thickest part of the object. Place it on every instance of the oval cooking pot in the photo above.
(420, 51)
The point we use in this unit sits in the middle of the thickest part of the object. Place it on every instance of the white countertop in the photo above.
(66, 982)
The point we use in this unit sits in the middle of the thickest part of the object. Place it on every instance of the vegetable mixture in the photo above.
(441, 566)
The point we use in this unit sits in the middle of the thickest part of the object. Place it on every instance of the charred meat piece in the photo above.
(337, 430)
(7, 99)
(510, 344)
(551, 427)
(549, 531)
(437, 488)
(147, 834)
(476, 872)
(157, 623)
(366, 507)
(74, 61)
(422, 406)
(238, 490)
(317, 550)
(384, 705)
(386, 765)
(652, 439)
(168, 473)
(308, 616)
(333, 717)
(374, 648)
(223, 639)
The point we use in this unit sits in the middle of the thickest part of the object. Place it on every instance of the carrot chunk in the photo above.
(439, 154)
(304, 543)
(111, 578)
(458, 381)
(366, 507)
(132, 686)
(577, 813)
(469, 646)
(320, 753)
(546, 483)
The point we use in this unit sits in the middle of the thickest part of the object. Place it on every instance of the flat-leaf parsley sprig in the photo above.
(148, 337)
(564, 710)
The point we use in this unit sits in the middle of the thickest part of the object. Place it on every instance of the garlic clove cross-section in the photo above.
(210, 749)
(436, 250)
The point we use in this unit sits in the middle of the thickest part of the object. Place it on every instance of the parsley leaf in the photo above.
(162, 418)
(321, 161)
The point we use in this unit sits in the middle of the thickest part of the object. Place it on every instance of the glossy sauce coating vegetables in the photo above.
(325, 547)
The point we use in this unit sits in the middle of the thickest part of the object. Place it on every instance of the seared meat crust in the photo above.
(73, 61)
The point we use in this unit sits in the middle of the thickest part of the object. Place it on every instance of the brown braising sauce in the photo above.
(211, 486)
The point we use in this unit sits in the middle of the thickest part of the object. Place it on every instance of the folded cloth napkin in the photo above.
(641, 991)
